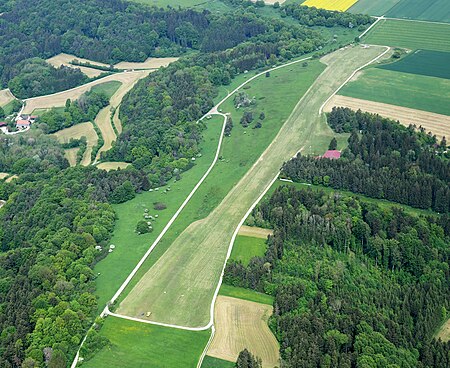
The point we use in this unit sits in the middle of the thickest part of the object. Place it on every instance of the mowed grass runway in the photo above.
(179, 287)
(410, 35)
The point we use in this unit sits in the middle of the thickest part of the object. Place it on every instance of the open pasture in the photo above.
(150, 63)
(140, 345)
(423, 62)
(179, 286)
(430, 10)
(71, 155)
(371, 7)
(410, 35)
(242, 324)
(76, 132)
(247, 247)
(340, 5)
(59, 99)
(401, 89)
(66, 59)
(211, 362)
(435, 123)
(257, 232)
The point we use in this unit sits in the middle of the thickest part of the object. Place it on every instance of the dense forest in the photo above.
(85, 108)
(35, 77)
(355, 285)
(383, 160)
(50, 227)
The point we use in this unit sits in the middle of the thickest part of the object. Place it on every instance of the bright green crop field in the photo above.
(423, 62)
(410, 35)
(140, 345)
(431, 10)
(373, 7)
(247, 247)
(401, 89)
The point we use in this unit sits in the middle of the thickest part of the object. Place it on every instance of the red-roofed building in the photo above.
(332, 154)
(22, 124)
(3, 124)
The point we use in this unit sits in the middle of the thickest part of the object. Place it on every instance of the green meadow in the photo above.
(211, 362)
(410, 35)
(246, 294)
(401, 89)
(140, 345)
(108, 88)
(247, 247)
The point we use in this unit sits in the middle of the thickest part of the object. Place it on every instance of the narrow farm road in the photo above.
(180, 288)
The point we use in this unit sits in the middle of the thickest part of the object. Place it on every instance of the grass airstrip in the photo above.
(202, 246)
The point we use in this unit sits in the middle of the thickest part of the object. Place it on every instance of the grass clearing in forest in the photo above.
(340, 5)
(108, 166)
(188, 272)
(141, 345)
(257, 232)
(245, 294)
(66, 59)
(76, 132)
(247, 247)
(410, 35)
(71, 155)
(444, 332)
(242, 324)
(276, 96)
(211, 5)
(402, 89)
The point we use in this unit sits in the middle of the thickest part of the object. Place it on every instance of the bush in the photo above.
(143, 227)
(159, 206)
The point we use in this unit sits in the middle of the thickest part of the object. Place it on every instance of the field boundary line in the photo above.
(417, 20)
(352, 75)
(371, 26)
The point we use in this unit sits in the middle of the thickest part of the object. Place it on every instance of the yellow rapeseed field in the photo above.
(341, 5)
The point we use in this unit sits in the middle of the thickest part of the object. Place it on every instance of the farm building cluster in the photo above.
(22, 123)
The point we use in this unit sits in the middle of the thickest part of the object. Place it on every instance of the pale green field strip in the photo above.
(141, 345)
(373, 7)
(246, 294)
(180, 286)
(410, 35)
(240, 151)
(402, 89)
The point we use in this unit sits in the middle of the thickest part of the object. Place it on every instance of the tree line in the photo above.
(355, 285)
(383, 160)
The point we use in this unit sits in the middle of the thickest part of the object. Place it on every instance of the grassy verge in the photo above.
(130, 247)
(211, 362)
(247, 247)
(246, 294)
(140, 345)
(401, 89)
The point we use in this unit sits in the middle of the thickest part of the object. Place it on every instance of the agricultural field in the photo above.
(242, 324)
(246, 247)
(130, 247)
(76, 132)
(139, 345)
(108, 88)
(150, 63)
(59, 99)
(402, 89)
(5, 97)
(423, 62)
(108, 166)
(371, 7)
(431, 10)
(340, 5)
(435, 123)
(170, 283)
(245, 294)
(65, 59)
(410, 35)
(211, 362)
(257, 232)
